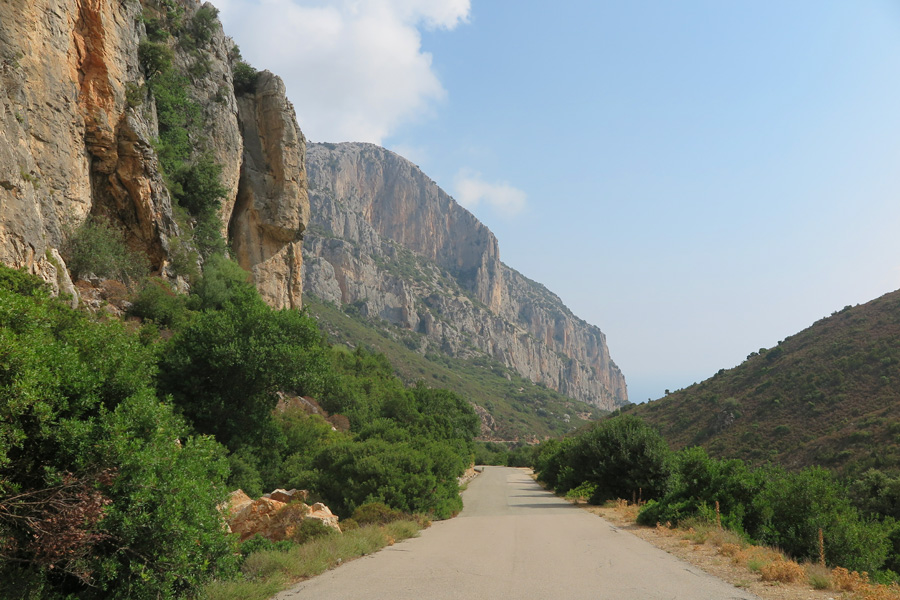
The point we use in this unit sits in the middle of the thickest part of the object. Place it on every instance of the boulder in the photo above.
(273, 518)
(288, 496)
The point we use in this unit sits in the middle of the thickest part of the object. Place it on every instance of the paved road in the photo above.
(516, 541)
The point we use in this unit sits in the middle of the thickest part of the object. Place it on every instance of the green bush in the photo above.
(582, 492)
(376, 513)
(201, 27)
(623, 456)
(21, 282)
(97, 248)
(156, 302)
(155, 58)
(245, 77)
(224, 368)
(698, 482)
(794, 506)
(107, 495)
(223, 282)
(199, 185)
(180, 123)
(311, 529)
(420, 478)
(260, 544)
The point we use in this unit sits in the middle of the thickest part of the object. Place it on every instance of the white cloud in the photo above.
(472, 190)
(355, 70)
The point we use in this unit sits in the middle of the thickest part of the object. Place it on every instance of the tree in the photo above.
(623, 456)
(224, 368)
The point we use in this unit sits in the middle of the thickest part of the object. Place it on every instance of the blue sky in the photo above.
(698, 179)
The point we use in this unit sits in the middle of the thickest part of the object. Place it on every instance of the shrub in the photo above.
(245, 77)
(819, 576)
(623, 457)
(156, 302)
(311, 529)
(794, 506)
(202, 25)
(180, 123)
(96, 248)
(22, 283)
(582, 492)
(698, 483)
(155, 58)
(785, 571)
(224, 368)
(259, 543)
(199, 185)
(418, 477)
(183, 257)
(134, 94)
(376, 513)
(81, 427)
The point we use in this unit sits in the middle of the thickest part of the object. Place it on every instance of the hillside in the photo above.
(511, 407)
(829, 395)
(386, 241)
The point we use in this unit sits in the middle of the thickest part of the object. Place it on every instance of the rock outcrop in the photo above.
(385, 238)
(76, 139)
(276, 516)
(272, 206)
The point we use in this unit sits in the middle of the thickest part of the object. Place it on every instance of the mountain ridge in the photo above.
(385, 238)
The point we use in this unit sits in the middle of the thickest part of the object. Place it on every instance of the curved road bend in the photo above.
(515, 540)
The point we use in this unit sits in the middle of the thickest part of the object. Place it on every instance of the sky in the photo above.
(699, 179)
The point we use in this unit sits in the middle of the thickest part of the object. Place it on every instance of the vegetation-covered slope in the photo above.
(519, 410)
(118, 443)
(829, 395)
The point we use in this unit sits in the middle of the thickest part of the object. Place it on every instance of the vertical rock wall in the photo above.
(71, 145)
(272, 206)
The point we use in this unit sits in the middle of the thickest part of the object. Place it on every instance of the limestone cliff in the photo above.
(386, 239)
(77, 131)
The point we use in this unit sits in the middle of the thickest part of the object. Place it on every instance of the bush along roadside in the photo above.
(810, 514)
(118, 441)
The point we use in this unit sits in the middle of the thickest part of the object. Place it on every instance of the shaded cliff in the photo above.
(385, 240)
(79, 133)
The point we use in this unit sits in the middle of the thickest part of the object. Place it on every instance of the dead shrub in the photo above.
(785, 571)
(731, 550)
(848, 581)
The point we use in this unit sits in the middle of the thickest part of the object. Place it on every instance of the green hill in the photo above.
(829, 395)
(519, 410)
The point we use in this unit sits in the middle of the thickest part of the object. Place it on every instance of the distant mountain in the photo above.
(386, 243)
(829, 395)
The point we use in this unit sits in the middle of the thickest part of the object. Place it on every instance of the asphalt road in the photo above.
(515, 540)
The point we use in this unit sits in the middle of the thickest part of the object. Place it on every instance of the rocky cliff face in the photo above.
(74, 144)
(385, 239)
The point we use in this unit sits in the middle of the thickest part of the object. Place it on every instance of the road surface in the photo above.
(515, 540)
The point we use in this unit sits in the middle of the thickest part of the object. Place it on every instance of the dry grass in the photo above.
(269, 571)
(819, 576)
(777, 576)
(862, 588)
(785, 571)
